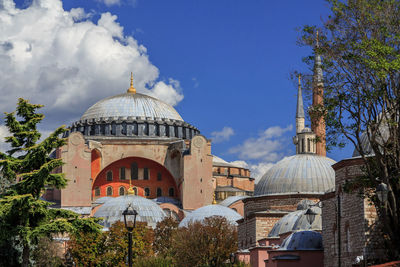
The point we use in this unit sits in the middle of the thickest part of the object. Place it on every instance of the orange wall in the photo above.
(166, 182)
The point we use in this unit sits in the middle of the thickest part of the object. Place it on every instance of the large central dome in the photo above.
(131, 105)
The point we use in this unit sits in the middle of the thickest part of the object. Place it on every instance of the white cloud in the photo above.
(118, 2)
(223, 135)
(3, 133)
(67, 62)
(268, 146)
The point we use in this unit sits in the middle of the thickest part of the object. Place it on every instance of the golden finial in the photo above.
(132, 89)
(131, 191)
(214, 201)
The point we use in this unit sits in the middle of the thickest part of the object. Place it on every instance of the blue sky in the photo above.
(224, 65)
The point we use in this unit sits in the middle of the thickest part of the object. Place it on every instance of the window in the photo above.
(135, 191)
(308, 145)
(122, 173)
(109, 176)
(97, 191)
(134, 171)
(147, 192)
(109, 191)
(159, 192)
(302, 146)
(159, 176)
(171, 192)
(146, 174)
(122, 191)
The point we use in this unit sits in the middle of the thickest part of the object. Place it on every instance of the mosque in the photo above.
(133, 148)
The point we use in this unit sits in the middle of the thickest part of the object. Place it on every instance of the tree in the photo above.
(360, 47)
(206, 243)
(163, 234)
(110, 248)
(24, 218)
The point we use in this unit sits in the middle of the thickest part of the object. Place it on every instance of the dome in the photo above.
(208, 211)
(230, 200)
(302, 173)
(133, 115)
(148, 211)
(131, 105)
(306, 130)
(303, 240)
(296, 221)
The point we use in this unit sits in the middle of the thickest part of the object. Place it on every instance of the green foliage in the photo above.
(359, 44)
(29, 169)
(110, 248)
(47, 253)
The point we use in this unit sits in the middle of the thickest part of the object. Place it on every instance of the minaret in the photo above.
(318, 124)
(300, 119)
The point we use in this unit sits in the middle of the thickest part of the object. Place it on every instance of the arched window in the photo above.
(159, 176)
(302, 146)
(308, 145)
(122, 173)
(122, 191)
(146, 173)
(159, 192)
(147, 192)
(109, 191)
(109, 175)
(171, 192)
(135, 191)
(134, 171)
(97, 191)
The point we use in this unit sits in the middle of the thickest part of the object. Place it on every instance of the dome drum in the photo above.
(135, 128)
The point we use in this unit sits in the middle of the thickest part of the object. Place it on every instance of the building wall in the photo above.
(197, 186)
(153, 182)
(358, 229)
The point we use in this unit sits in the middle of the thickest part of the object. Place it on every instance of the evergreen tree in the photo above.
(28, 167)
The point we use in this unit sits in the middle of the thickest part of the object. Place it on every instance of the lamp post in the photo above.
(382, 192)
(232, 258)
(130, 223)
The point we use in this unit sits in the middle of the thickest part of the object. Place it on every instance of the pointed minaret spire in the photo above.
(131, 89)
(318, 124)
(300, 119)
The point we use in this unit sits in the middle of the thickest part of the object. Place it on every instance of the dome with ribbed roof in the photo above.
(302, 173)
(148, 211)
(208, 211)
(131, 105)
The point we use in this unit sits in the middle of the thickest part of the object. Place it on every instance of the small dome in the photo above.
(230, 200)
(296, 221)
(148, 211)
(208, 211)
(302, 173)
(131, 105)
(303, 240)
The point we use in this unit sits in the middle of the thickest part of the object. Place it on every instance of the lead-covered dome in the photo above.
(302, 173)
(208, 211)
(131, 105)
(133, 115)
(148, 211)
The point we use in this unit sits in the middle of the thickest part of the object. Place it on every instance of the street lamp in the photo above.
(382, 192)
(130, 223)
(232, 258)
(310, 215)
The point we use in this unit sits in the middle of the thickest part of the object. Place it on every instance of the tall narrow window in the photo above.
(171, 192)
(308, 145)
(122, 173)
(159, 192)
(122, 191)
(135, 191)
(97, 191)
(134, 171)
(109, 175)
(146, 174)
(147, 192)
(302, 146)
(159, 176)
(109, 191)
